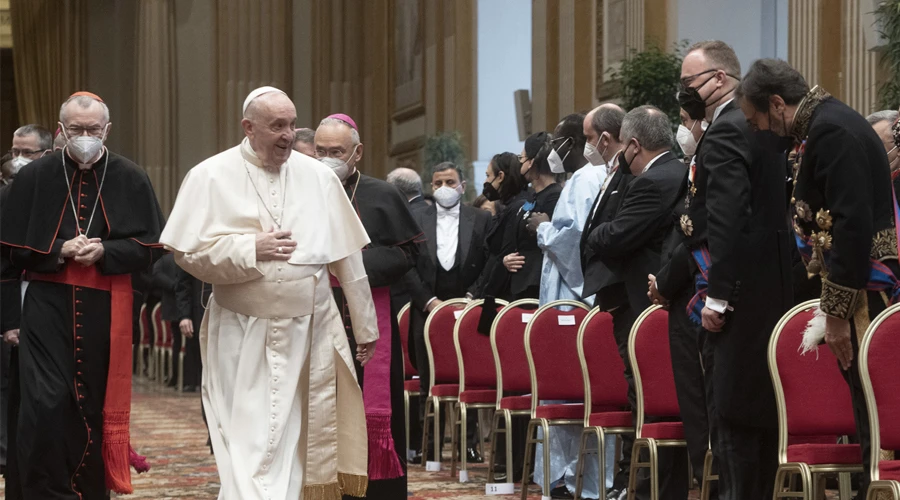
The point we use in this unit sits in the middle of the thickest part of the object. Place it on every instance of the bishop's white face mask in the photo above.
(340, 168)
(592, 154)
(556, 163)
(18, 162)
(447, 197)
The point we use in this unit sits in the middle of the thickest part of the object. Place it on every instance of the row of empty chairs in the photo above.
(533, 354)
(155, 358)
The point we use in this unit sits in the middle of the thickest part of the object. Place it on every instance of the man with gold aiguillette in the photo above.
(844, 213)
(85, 219)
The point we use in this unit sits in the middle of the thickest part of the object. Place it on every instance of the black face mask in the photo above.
(490, 192)
(623, 163)
(695, 106)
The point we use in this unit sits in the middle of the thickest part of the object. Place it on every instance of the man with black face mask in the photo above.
(843, 212)
(727, 269)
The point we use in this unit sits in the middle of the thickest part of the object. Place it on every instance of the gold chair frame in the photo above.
(786, 470)
(504, 415)
(640, 443)
(406, 394)
(461, 409)
(598, 432)
(889, 487)
(433, 403)
(544, 423)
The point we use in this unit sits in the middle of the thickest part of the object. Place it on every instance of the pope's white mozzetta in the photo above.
(278, 379)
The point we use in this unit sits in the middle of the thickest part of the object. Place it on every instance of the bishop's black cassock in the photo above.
(75, 347)
(392, 252)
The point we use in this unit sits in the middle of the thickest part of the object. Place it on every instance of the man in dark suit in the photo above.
(629, 244)
(192, 298)
(449, 263)
(602, 127)
(734, 233)
(409, 183)
(843, 212)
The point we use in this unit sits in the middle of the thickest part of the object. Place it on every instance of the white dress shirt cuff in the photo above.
(719, 306)
(427, 304)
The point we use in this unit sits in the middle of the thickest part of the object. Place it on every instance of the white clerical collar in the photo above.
(448, 212)
(720, 108)
(651, 162)
(250, 155)
(414, 198)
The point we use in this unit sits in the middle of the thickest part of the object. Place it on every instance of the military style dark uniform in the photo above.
(844, 222)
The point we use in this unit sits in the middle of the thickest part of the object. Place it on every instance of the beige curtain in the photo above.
(49, 58)
(254, 49)
(156, 98)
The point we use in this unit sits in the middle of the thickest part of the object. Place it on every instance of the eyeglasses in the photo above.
(688, 80)
(24, 152)
(75, 131)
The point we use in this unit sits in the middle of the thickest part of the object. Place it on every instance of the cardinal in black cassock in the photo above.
(392, 252)
(76, 321)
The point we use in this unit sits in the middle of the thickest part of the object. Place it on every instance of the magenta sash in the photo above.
(383, 460)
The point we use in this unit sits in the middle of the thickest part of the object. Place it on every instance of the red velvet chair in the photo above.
(604, 386)
(513, 378)
(880, 374)
(551, 343)
(814, 405)
(411, 385)
(163, 337)
(651, 363)
(146, 346)
(444, 379)
(477, 378)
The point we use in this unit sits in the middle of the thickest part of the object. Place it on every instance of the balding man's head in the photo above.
(407, 181)
(602, 127)
(268, 123)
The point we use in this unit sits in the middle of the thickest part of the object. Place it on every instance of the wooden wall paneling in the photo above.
(551, 25)
(466, 76)
(831, 55)
(803, 37)
(565, 56)
(584, 56)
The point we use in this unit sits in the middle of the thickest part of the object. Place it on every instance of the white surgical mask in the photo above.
(18, 162)
(556, 163)
(685, 137)
(340, 168)
(593, 155)
(85, 148)
(447, 197)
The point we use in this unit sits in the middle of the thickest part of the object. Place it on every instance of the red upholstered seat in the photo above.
(515, 403)
(889, 469)
(611, 419)
(473, 349)
(508, 346)
(601, 360)
(414, 385)
(403, 323)
(478, 396)
(654, 364)
(814, 395)
(663, 430)
(445, 390)
(560, 412)
(552, 343)
(439, 339)
(820, 454)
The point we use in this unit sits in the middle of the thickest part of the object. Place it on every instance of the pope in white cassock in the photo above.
(266, 226)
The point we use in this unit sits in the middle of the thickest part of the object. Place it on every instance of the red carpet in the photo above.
(168, 429)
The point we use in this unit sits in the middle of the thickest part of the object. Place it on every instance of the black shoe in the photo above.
(561, 492)
(473, 457)
(190, 388)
